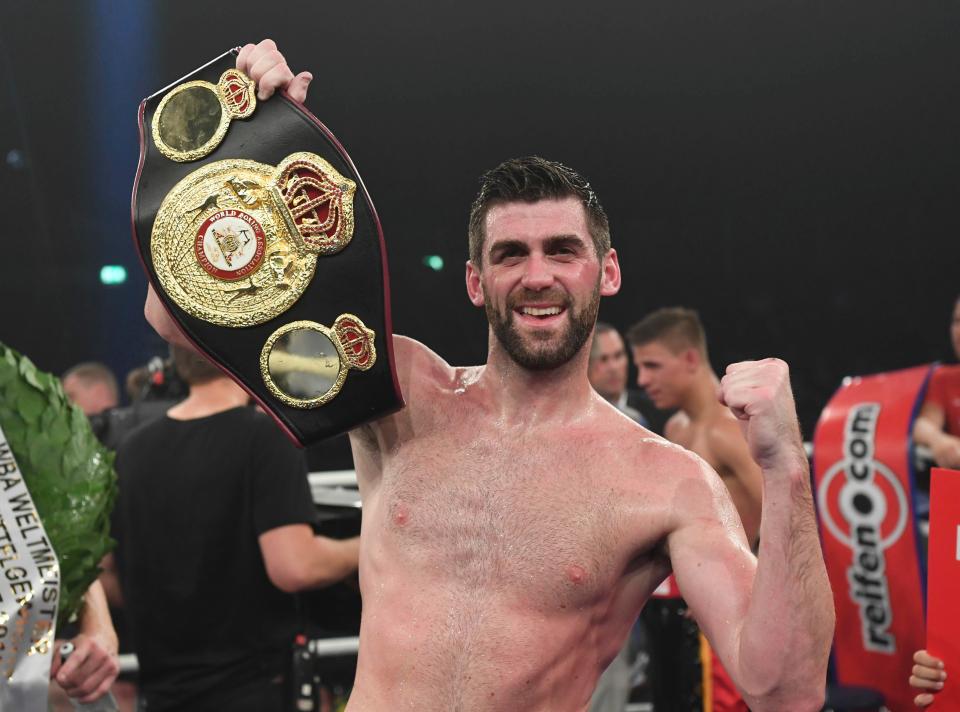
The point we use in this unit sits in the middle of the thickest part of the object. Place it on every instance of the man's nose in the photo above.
(643, 377)
(537, 274)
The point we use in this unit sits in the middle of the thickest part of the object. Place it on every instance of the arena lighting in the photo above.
(113, 274)
(434, 262)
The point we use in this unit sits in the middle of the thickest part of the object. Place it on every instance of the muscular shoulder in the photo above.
(692, 487)
(656, 458)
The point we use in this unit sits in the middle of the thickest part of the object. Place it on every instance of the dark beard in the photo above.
(548, 356)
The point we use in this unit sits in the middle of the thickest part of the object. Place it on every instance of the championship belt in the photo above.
(261, 241)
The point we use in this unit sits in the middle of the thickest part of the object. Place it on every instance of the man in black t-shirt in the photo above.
(213, 523)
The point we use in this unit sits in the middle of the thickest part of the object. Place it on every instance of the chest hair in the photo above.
(506, 515)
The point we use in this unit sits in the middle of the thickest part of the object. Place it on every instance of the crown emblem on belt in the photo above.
(316, 202)
(236, 92)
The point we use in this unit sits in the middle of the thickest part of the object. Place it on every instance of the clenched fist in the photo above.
(759, 395)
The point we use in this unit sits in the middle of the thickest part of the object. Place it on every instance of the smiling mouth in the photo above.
(540, 311)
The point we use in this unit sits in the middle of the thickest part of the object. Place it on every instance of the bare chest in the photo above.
(508, 514)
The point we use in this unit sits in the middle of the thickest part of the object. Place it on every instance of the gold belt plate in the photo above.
(221, 247)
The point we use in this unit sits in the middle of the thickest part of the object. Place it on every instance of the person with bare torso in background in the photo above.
(670, 352)
(515, 523)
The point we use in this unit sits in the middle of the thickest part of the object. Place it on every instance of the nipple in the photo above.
(576, 574)
(400, 515)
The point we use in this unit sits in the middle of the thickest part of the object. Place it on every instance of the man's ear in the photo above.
(610, 279)
(474, 288)
(692, 358)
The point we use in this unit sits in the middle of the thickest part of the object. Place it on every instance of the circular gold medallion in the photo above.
(303, 365)
(190, 121)
(221, 249)
(192, 118)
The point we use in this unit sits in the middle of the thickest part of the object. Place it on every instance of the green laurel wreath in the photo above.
(68, 472)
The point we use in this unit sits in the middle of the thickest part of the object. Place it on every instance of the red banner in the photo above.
(943, 581)
(864, 490)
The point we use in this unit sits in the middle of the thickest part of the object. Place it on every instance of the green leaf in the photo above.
(57, 430)
(30, 403)
(29, 373)
(6, 374)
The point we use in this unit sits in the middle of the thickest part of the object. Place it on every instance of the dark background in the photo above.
(789, 169)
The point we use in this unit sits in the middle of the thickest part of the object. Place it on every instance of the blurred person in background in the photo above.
(92, 386)
(938, 424)
(608, 370)
(608, 374)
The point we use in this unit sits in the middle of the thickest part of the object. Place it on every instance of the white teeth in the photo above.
(533, 311)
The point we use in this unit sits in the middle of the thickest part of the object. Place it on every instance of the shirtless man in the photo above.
(670, 352)
(515, 523)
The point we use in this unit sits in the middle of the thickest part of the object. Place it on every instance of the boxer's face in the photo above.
(663, 374)
(541, 280)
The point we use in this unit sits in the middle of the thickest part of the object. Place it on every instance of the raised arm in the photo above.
(770, 619)
(418, 370)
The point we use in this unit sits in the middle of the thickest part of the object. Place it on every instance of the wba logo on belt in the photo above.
(863, 484)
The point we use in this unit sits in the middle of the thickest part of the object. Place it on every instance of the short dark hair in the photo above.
(192, 367)
(530, 179)
(93, 372)
(677, 327)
